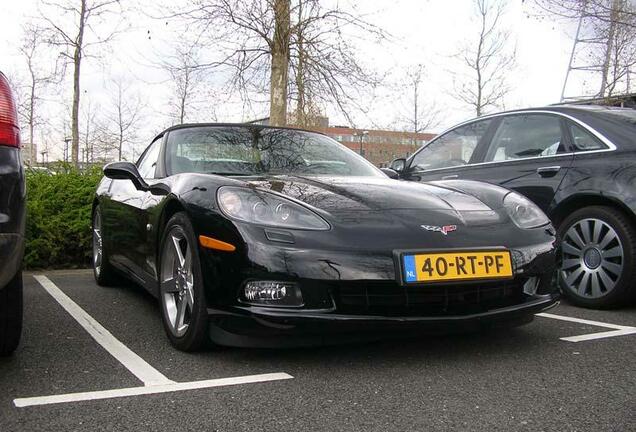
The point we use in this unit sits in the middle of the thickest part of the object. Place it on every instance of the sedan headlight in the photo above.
(523, 212)
(265, 208)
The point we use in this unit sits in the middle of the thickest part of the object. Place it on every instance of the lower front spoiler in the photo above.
(268, 328)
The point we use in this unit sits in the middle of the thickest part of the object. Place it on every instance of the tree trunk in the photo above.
(608, 48)
(300, 71)
(280, 64)
(77, 61)
(32, 155)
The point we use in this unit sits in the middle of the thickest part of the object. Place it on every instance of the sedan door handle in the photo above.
(449, 177)
(549, 171)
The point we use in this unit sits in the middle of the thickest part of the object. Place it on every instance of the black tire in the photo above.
(11, 315)
(618, 287)
(196, 335)
(105, 274)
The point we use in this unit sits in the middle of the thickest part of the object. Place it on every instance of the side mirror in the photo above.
(390, 172)
(126, 171)
(398, 165)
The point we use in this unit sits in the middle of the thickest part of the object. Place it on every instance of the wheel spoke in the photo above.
(574, 235)
(571, 249)
(596, 234)
(181, 309)
(606, 281)
(586, 229)
(582, 288)
(613, 268)
(573, 276)
(569, 263)
(596, 286)
(177, 247)
(616, 251)
(187, 262)
(611, 235)
(190, 296)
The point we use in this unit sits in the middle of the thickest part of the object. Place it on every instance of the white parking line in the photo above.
(154, 381)
(136, 391)
(131, 361)
(618, 330)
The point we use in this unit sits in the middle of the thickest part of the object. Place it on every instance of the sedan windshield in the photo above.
(256, 150)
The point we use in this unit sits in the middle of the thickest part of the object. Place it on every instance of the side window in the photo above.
(148, 161)
(454, 148)
(584, 140)
(524, 136)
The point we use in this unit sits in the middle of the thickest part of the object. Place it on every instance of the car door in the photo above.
(449, 155)
(529, 153)
(126, 217)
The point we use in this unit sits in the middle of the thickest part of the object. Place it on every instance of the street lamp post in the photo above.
(66, 141)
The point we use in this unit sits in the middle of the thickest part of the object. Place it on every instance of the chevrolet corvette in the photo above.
(251, 235)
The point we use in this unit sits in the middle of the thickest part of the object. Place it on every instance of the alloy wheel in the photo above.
(177, 282)
(98, 246)
(593, 258)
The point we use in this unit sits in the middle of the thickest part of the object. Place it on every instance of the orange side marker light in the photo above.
(211, 243)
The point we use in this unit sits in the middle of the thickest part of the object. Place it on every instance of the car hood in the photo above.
(342, 196)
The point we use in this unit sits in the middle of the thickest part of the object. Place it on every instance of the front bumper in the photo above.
(358, 294)
(265, 327)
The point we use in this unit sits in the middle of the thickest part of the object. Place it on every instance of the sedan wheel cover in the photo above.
(593, 258)
(97, 243)
(177, 282)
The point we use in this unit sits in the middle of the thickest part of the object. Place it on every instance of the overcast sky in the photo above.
(428, 32)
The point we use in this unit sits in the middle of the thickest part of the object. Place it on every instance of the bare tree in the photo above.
(292, 49)
(75, 30)
(488, 60)
(326, 66)
(607, 33)
(37, 81)
(421, 118)
(90, 132)
(123, 117)
(600, 10)
(187, 77)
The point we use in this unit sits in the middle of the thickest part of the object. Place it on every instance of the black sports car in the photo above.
(259, 236)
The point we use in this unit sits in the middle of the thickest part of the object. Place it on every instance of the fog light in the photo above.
(531, 285)
(272, 293)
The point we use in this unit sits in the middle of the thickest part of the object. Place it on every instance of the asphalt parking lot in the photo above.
(528, 378)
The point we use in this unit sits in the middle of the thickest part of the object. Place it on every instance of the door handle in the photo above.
(549, 171)
(449, 177)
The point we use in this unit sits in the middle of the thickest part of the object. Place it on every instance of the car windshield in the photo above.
(256, 150)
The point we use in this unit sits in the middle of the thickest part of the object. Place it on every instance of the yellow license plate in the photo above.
(454, 266)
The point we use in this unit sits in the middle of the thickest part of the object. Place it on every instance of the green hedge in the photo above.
(58, 226)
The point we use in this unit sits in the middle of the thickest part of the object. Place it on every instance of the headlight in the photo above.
(523, 212)
(265, 208)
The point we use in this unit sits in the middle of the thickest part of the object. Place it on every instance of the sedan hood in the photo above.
(342, 196)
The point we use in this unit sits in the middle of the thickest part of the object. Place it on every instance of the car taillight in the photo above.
(9, 129)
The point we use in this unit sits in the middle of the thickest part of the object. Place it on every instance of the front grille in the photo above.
(391, 299)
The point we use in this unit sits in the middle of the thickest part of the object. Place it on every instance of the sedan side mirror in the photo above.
(390, 172)
(398, 165)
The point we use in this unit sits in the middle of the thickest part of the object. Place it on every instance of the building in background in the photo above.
(379, 147)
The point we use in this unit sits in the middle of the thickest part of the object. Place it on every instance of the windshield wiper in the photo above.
(221, 173)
